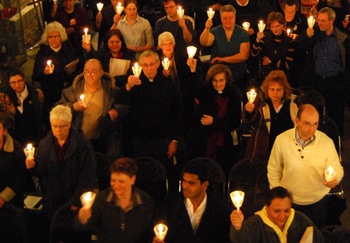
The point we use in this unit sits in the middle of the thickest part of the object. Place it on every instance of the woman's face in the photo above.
(114, 44)
(121, 184)
(275, 91)
(167, 47)
(219, 82)
(131, 11)
(60, 129)
(276, 28)
(54, 39)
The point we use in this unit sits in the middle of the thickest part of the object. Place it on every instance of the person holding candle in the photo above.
(229, 44)
(113, 46)
(181, 28)
(29, 120)
(97, 115)
(277, 222)
(305, 153)
(55, 47)
(65, 163)
(137, 31)
(122, 212)
(195, 214)
(270, 117)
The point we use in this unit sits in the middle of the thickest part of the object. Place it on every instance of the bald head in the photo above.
(307, 121)
(93, 72)
(306, 108)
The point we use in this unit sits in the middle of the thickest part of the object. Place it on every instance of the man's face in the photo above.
(121, 183)
(289, 12)
(276, 28)
(171, 8)
(68, 5)
(279, 211)
(324, 22)
(92, 72)
(192, 188)
(60, 129)
(131, 10)
(307, 124)
(17, 83)
(150, 66)
(228, 19)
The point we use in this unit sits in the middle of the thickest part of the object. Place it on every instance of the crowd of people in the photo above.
(139, 93)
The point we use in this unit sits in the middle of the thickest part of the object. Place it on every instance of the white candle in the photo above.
(82, 98)
(329, 173)
(86, 33)
(119, 8)
(160, 230)
(29, 150)
(261, 26)
(246, 25)
(251, 95)
(311, 21)
(99, 6)
(288, 31)
(136, 69)
(237, 198)
(87, 199)
(210, 13)
(180, 12)
(191, 51)
(49, 64)
(166, 63)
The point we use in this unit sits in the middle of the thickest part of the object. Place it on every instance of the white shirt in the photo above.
(195, 217)
(21, 97)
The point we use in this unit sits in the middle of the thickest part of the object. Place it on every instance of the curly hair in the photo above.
(51, 27)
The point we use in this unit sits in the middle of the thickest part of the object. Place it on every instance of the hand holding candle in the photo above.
(288, 32)
(166, 63)
(191, 51)
(329, 173)
(237, 198)
(136, 69)
(82, 99)
(86, 36)
(261, 26)
(50, 66)
(311, 21)
(119, 8)
(87, 199)
(160, 230)
(180, 12)
(99, 6)
(29, 151)
(251, 95)
(210, 13)
(246, 25)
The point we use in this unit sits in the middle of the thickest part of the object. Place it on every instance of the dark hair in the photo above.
(111, 33)
(277, 192)
(197, 167)
(219, 68)
(124, 165)
(127, 2)
(16, 71)
(175, 1)
(4, 120)
(290, 3)
(275, 16)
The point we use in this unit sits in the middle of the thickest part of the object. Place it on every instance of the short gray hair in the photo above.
(228, 8)
(166, 35)
(61, 113)
(330, 12)
(148, 53)
(54, 26)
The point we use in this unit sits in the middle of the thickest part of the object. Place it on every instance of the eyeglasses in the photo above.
(91, 74)
(16, 82)
(308, 124)
(54, 37)
(167, 44)
(59, 126)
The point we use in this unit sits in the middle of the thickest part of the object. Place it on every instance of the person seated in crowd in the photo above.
(137, 31)
(273, 48)
(112, 49)
(64, 162)
(181, 28)
(155, 119)
(49, 67)
(229, 43)
(29, 117)
(270, 117)
(14, 181)
(194, 214)
(107, 19)
(276, 222)
(96, 114)
(218, 114)
(306, 153)
(74, 19)
(122, 212)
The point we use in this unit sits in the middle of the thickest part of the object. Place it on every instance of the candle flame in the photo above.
(49, 62)
(82, 96)
(29, 146)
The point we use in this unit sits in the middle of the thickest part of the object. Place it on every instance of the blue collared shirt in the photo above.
(301, 142)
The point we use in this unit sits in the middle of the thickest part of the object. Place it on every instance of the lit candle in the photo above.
(49, 64)
(29, 150)
(166, 63)
(136, 69)
(180, 12)
(311, 21)
(251, 95)
(86, 33)
(119, 8)
(288, 32)
(237, 198)
(191, 51)
(160, 230)
(329, 173)
(82, 99)
(55, 1)
(99, 6)
(261, 26)
(210, 13)
(87, 199)
(246, 25)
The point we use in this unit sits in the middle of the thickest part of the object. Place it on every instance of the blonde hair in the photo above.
(280, 77)
(166, 35)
